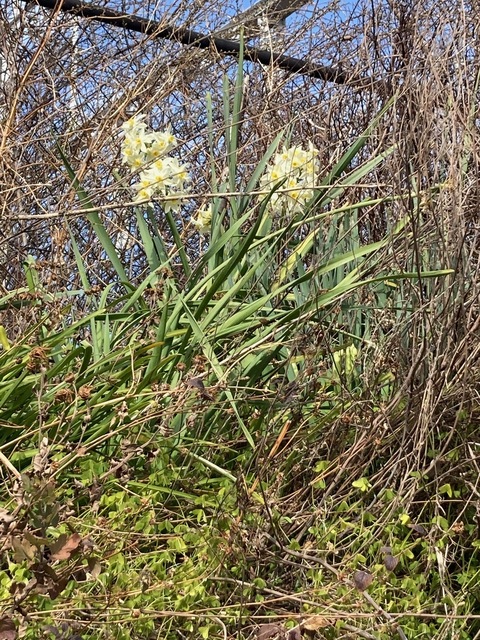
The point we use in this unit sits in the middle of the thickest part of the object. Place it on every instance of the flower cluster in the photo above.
(163, 175)
(298, 168)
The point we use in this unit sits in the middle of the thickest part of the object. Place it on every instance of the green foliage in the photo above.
(167, 441)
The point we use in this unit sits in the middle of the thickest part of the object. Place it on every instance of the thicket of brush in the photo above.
(271, 430)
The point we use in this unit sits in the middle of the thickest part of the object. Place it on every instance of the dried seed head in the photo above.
(362, 580)
(390, 562)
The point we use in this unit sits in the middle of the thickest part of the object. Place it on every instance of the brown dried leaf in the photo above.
(6, 518)
(35, 540)
(418, 528)
(315, 622)
(48, 580)
(390, 562)
(8, 631)
(386, 549)
(56, 588)
(65, 547)
(362, 580)
(44, 572)
(266, 631)
(88, 544)
(23, 550)
(197, 383)
(94, 568)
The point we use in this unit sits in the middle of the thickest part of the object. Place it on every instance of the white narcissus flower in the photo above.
(160, 143)
(157, 174)
(134, 123)
(298, 168)
(144, 194)
(131, 157)
(137, 141)
(172, 205)
(178, 173)
(203, 220)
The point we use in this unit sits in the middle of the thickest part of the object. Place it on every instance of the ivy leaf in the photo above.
(362, 483)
